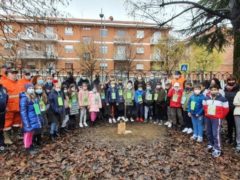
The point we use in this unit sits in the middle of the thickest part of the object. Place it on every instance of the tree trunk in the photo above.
(236, 55)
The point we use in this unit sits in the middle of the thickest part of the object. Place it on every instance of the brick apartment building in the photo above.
(53, 44)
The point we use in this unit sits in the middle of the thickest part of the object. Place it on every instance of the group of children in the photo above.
(61, 107)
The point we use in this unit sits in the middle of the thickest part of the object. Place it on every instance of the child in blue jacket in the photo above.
(195, 111)
(112, 99)
(138, 98)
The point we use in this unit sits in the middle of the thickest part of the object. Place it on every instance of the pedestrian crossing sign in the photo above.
(184, 67)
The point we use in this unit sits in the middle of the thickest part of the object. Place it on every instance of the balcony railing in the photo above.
(120, 57)
(34, 36)
(121, 40)
(31, 54)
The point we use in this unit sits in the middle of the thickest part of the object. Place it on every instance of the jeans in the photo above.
(214, 133)
(140, 110)
(53, 127)
(197, 126)
(148, 112)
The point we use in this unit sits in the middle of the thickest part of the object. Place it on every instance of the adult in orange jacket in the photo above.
(178, 78)
(13, 119)
(26, 79)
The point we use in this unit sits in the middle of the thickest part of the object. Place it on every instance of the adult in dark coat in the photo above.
(141, 81)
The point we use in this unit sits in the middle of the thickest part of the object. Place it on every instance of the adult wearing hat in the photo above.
(178, 78)
(13, 119)
(25, 80)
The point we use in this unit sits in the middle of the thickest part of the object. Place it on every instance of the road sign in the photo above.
(184, 67)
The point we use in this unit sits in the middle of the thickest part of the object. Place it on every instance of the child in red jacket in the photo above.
(175, 95)
(216, 109)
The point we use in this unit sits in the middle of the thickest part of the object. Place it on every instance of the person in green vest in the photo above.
(148, 103)
(159, 103)
(188, 91)
(120, 106)
(129, 97)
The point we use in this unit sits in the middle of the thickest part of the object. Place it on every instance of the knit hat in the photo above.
(28, 85)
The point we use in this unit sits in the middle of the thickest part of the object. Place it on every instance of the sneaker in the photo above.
(141, 120)
(169, 125)
(216, 153)
(189, 131)
(155, 122)
(209, 148)
(126, 119)
(137, 119)
(85, 124)
(166, 123)
(132, 120)
(114, 120)
(194, 138)
(185, 130)
(160, 123)
(110, 121)
(200, 139)
(119, 118)
(81, 125)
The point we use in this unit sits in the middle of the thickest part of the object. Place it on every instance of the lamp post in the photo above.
(101, 15)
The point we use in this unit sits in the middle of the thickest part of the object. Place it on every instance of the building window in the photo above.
(103, 49)
(103, 32)
(86, 28)
(140, 34)
(87, 40)
(68, 31)
(139, 67)
(68, 48)
(140, 50)
(49, 30)
(121, 33)
(156, 37)
(68, 65)
(8, 29)
(86, 56)
(8, 45)
(103, 65)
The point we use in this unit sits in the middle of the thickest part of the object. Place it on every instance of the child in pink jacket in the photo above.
(83, 103)
(95, 104)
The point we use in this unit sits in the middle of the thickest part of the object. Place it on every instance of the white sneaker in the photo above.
(85, 124)
(118, 119)
(160, 123)
(169, 125)
(199, 139)
(132, 120)
(114, 120)
(81, 125)
(110, 121)
(166, 123)
(189, 131)
(194, 137)
(216, 153)
(126, 119)
(185, 130)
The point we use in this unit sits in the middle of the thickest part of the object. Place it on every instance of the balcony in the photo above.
(120, 57)
(34, 36)
(32, 54)
(121, 40)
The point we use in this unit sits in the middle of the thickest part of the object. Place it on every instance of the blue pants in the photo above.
(197, 126)
(53, 127)
(213, 132)
(140, 110)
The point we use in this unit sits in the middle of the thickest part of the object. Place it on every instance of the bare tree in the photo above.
(211, 22)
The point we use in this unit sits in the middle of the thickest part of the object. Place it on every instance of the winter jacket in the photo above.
(138, 96)
(30, 113)
(13, 94)
(56, 101)
(129, 97)
(120, 94)
(48, 87)
(95, 102)
(185, 98)
(3, 99)
(230, 93)
(112, 95)
(195, 104)
(175, 98)
(160, 96)
(21, 84)
(83, 98)
(215, 108)
(236, 103)
(148, 97)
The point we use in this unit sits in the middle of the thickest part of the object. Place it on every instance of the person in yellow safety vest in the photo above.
(13, 119)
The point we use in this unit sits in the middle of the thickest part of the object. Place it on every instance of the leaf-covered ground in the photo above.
(150, 152)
